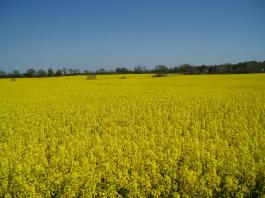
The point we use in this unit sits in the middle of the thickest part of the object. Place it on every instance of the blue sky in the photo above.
(111, 33)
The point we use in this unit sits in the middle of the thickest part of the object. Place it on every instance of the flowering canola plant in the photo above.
(176, 136)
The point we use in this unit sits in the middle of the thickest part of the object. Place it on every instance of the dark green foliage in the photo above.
(162, 69)
(159, 75)
(140, 70)
(41, 73)
(64, 71)
(228, 68)
(15, 74)
(91, 77)
(101, 71)
(50, 72)
(59, 72)
(30, 73)
(86, 72)
(122, 70)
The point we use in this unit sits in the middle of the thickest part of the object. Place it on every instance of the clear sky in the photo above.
(110, 33)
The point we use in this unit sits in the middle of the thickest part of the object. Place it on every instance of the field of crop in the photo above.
(176, 136)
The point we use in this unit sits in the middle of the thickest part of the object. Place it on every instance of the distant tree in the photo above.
(2, 74)
(241, 67)
(76, 71)
(15, 74)
(59, 72)
(139, 69)
(71, 71)
(110, 71)
(226, 68)
(50, 72)
(202, 69)
(174, 69)
(161, 69)
(122, 70)
(262, 66)
(30, 73)
(186, 69)
(101, 71)
(252, 67)
(64, 71)
(41, 73)
(86, 72)
(212, 69)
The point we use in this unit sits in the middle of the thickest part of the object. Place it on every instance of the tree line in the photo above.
(239, 68)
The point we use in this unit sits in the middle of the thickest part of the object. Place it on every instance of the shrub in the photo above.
(91, 77)
(159, 75)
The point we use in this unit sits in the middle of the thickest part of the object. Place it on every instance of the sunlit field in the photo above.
(133, 136)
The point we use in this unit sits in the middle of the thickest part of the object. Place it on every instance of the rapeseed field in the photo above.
(175, 136)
